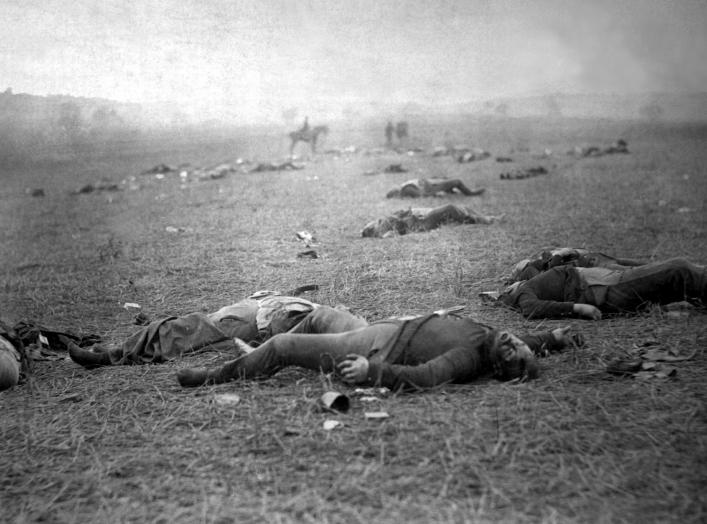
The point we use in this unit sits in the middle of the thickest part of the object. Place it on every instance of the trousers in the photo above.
(672, 280)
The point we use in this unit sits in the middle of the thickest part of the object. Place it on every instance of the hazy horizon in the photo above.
(254, 59)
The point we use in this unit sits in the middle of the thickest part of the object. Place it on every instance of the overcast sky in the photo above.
(260, 56)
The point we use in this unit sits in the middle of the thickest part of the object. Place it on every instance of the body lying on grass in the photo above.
(424, 187)
(253, 319)
(423, 219)
(567, 256)
(26, 342)
(588, 292)
(421, 352)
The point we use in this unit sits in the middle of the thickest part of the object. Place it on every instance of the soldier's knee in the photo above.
(680, 265)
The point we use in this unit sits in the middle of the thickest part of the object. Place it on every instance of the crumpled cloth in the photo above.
(168, 338)
(254, 320)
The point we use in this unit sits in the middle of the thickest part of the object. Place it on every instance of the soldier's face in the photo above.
(514, 359)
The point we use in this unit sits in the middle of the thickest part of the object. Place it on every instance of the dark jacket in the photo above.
(550, 294)
(432, 350)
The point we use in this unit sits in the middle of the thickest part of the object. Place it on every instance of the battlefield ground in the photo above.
(127, 444)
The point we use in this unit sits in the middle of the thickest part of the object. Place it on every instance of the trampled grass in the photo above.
(127, 444)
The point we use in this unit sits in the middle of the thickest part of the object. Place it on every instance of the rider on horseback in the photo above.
(307, 134)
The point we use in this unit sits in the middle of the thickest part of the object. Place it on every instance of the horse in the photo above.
(307, 135)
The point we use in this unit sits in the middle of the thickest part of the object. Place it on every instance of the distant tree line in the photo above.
(30, 124)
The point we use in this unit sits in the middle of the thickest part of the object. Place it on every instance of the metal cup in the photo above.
(335, 401)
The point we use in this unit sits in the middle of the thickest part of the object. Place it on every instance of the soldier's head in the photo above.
(512, 358)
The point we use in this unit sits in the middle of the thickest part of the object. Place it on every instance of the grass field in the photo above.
(127, 444)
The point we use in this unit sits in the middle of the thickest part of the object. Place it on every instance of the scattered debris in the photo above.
(395, 168)
(212, 173)
(159, 169)
(664, 355)
(301, 289)
(620, 146)
(227, 399)
(528, 172)
(306, 237)
(271, 166)
(546, 153)
(489, 296)
(473, 155)
(624, 367)
(41, 351)
(338, 151)
(653, 370)
(307, 254)
(331, 424)
(372, 391)
(647, 362)
(456, 150)
(100, 186)
(141, 319)
(131, 182)
(454, 310)
(335, 401)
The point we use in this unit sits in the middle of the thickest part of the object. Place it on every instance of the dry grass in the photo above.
(126, 444)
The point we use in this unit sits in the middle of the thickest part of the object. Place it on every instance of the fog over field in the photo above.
(276, 61)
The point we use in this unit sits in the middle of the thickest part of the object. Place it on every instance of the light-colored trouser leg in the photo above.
(326, 319)
(315, 352)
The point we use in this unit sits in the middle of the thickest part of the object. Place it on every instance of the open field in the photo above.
(127, 444)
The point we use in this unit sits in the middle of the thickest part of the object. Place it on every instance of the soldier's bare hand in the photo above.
(354, 369)
(588, 311)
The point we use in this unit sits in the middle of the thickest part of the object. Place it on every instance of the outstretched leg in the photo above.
(449, 185)
(672, 280)
(316, 352)
(326, 319)
(450, 213)
(463, 189)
